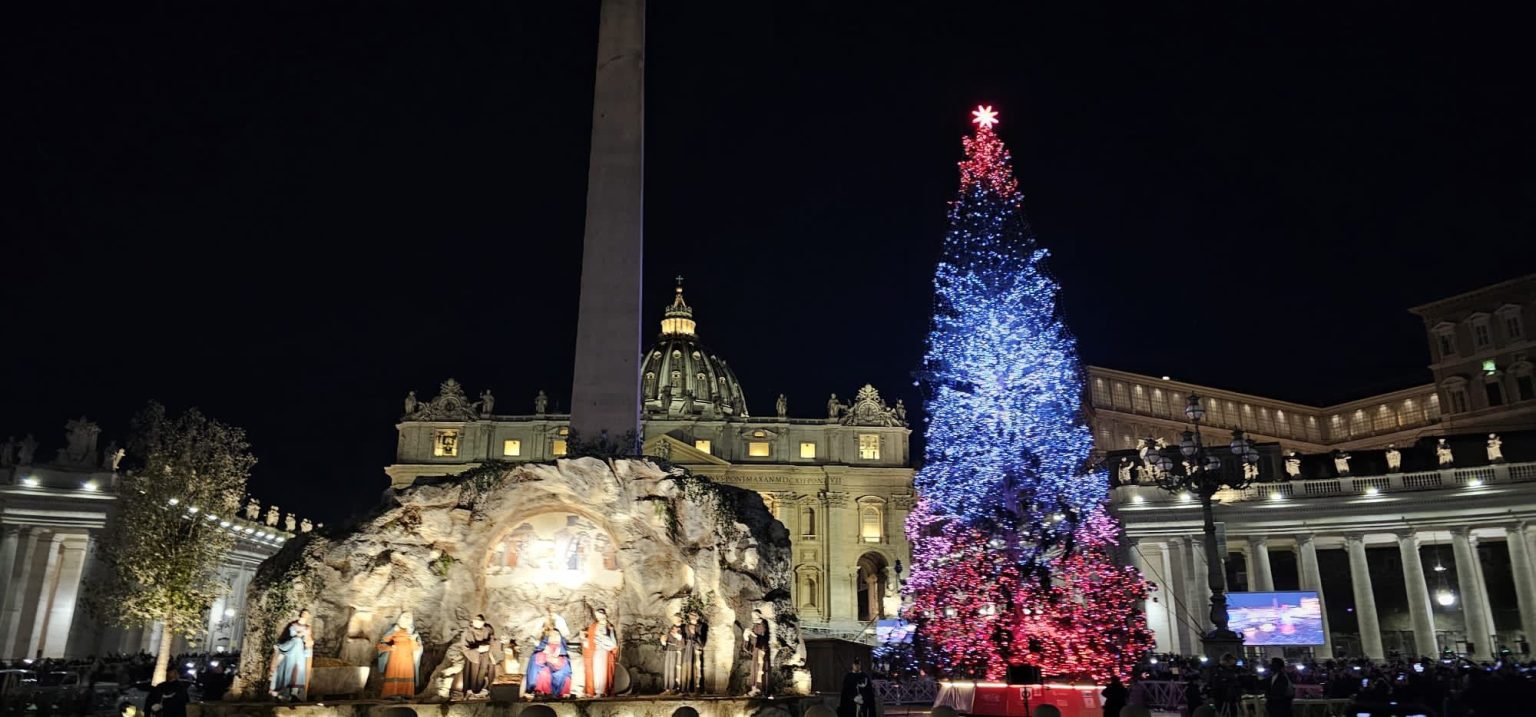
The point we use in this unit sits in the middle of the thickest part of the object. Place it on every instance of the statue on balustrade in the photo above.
(8, 451)
(252, 509)
(1495, 449)
(305, 526)
(1443, 454)
(1293, 465)
(399, 658)
(27, 451)
(540, 403)
(599, 654)
(1123, 472)
(291, 660)
(834, 407)
(487, 402)
(288, 523)
(411, 403)
(1341, 463)
(1394, 458)
(781, 406)
(481, 650)
(272, 516)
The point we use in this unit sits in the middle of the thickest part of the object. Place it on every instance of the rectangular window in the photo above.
(1100, 397)
(558, 447)
(1495, 393)
(869, 524)
(1139, 400)
(1447, 344)
(511, 447)
(1120, 396)
(1512, 328)
(1358, 425)
(1526, 387)
(1481, 336)
(445, 444)
(757, 449)
(1458, 400)
(703, 444)
(869, 446)
(807, 449)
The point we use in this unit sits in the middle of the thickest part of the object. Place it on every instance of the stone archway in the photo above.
(870, 586)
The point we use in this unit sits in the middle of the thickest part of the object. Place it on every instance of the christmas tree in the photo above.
(1013, 551)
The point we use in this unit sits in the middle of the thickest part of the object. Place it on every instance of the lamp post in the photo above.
(1202, 475)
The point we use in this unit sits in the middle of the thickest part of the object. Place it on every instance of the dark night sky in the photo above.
(288, 214)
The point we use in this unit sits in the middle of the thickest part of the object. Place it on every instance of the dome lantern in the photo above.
(678, 319)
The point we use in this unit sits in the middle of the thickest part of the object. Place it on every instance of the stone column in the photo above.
(1472, 592)
(1312, 579)
(18, 594)
(1365, 598)
(64, 596)
(1176, 595)
(1419, 609)
(1525, 579)
(1154, 607)
(1261, 579)
(37, 638)
(1482, 580)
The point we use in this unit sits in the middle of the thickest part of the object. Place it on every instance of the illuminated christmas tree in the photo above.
(1012, 549)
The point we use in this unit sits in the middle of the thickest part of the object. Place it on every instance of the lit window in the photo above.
(807, 449)
(1490, 367)
(445, 444)
(558, 447)
(869, 446)
(757, 449)
(511, 447)
(869, 524)
(702, 444)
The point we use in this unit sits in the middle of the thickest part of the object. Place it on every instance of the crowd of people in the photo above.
(117, 683)
(1446, 687)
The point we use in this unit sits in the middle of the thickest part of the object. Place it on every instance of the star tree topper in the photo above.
(984, 115)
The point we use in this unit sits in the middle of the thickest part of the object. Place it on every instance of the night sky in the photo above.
(289, 214)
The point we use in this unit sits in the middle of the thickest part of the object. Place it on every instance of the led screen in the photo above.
(1289, 618)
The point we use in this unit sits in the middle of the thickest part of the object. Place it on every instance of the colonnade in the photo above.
(1179, 610)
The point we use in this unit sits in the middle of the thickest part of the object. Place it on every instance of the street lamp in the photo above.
(1202, 476)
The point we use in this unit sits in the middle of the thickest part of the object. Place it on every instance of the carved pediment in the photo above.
(869, 409)
(450, 405)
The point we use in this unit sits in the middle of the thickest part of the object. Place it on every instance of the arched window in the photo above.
(870, 525)
(808, 522)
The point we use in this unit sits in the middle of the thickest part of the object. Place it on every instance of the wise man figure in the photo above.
(755, 639)
(289, 676)
(1341, 463)
(399, 658)
(695, 636)
(481, 650)
(1443, 454)
(672, 657)
(600, 652)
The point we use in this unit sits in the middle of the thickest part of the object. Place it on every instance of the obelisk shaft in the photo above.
(606, 394)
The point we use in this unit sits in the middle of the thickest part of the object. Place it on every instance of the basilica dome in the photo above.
(680, 377)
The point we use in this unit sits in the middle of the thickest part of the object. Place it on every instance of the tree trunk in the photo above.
(163, 657)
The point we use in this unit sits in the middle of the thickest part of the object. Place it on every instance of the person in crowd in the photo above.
(1279, 692)
(1115, 695)
(858, 695)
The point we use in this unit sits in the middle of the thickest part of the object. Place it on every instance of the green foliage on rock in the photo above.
(163, 545)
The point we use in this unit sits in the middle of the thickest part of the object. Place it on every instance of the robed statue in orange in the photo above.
(600, 652)
(400, 657)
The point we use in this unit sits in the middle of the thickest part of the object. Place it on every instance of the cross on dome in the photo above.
(985, 116)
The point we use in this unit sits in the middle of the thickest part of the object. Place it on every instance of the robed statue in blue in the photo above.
(289, 679)
(549, 667)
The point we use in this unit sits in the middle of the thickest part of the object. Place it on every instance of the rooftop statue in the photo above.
(80, 442)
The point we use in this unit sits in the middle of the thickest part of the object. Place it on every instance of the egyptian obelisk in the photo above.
(605, 397)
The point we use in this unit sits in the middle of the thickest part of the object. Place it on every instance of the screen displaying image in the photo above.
(1288, 618)
(894, 631)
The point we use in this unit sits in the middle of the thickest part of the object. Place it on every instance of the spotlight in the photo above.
(88, 485)
(30, 482)
(1372, 491)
